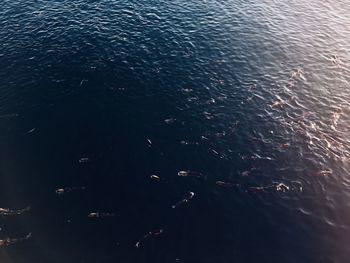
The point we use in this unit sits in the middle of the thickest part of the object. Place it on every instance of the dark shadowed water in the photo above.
(250, 99)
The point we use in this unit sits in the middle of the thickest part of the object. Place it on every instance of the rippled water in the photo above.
(252, 97)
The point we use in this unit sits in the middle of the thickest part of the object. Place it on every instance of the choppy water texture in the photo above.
(174, 131)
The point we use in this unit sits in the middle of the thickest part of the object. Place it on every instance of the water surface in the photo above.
(254, 94)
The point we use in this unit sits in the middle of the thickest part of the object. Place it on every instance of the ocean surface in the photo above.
(175, 131)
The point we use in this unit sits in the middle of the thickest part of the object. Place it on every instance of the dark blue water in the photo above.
(252, 97)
